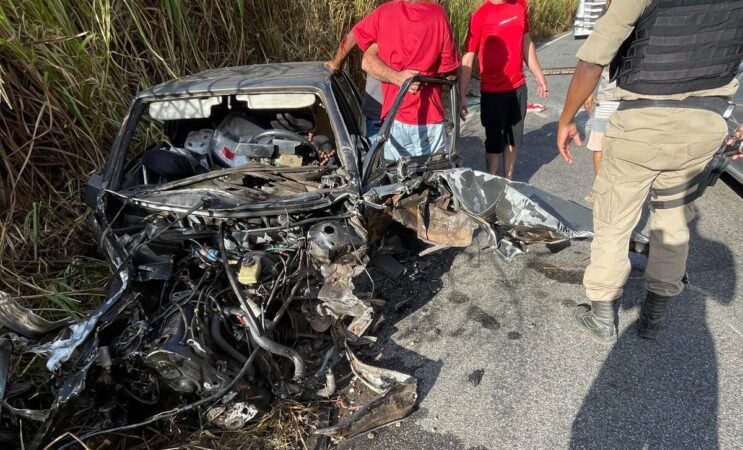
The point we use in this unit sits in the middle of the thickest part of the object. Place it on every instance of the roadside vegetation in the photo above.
(67, 73)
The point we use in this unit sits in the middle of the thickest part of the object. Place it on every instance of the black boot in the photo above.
(653, 315)
(598, 319)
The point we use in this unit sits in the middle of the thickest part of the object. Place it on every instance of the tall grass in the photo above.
(67, 72)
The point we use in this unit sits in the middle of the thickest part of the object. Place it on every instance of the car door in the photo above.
(349, 103)
(375, 167)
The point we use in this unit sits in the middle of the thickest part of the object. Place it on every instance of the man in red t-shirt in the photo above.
(400, 39)
(499, 37)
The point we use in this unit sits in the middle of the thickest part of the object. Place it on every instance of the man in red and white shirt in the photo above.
(400, 39)
(499, 38)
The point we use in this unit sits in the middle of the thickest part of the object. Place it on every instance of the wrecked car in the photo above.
(236, 208)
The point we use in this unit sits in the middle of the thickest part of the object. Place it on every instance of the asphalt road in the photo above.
(464, 313)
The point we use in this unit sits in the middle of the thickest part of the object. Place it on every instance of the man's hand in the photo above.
(332, 66)
(567, 133)
(542, 89)
(590, 103)
(374, 66)
(403, 76)
(529, 53)
(582, 86)
(464, 110)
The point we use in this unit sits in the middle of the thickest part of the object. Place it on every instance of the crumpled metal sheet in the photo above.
(433, 221)
(398, 397)
(338, 299)
(331, 239)
(375, 378)
(527, 213)
(25, 322)
(72, 386)
(6, 348)
(64, 346)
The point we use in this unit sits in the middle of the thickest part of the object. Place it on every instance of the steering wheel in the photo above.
(285, 134)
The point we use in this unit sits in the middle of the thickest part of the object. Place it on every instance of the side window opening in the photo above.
(352, 116)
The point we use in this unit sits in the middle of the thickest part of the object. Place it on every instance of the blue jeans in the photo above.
(373, 126)
(415, 140)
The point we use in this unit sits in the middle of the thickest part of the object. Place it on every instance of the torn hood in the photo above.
(516, 206)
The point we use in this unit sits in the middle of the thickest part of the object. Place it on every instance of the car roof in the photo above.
(232, 79)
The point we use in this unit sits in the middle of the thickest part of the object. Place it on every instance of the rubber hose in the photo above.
(329, 388)
(260, 339)
(223, 344)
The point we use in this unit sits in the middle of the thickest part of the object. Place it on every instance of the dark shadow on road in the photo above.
(472, 150)
(662, 394)
(540, 148)
(404, 296)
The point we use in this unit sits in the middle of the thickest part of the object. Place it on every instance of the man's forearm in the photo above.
(347, 44)
(584, 82)
(465, 74)
(530, 56)
(375, 67)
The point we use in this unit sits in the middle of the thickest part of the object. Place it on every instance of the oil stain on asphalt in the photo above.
(486, 320)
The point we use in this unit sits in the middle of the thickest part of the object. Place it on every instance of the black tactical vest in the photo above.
(682, 46)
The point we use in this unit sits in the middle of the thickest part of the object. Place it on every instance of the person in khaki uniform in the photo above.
(677, 61)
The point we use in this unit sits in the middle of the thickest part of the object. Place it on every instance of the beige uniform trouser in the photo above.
(644, 148)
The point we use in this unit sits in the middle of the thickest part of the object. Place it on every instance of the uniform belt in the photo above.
(695, 186)
(717, 105)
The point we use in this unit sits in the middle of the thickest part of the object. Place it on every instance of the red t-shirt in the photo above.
(412, 36)
(496, 34)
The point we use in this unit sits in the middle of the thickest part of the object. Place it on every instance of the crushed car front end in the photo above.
(238, 209)
(232, 283)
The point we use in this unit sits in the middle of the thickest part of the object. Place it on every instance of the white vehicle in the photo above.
(586, 15)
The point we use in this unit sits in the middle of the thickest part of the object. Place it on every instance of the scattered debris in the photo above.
(536, 107)
(476, 377)
(389, 265)
(514, 335)
(234, 243)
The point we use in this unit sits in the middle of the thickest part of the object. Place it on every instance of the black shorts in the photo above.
(502, 114)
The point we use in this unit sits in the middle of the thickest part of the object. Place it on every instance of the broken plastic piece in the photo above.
(389, 265)
(536, 107)
(397, 400)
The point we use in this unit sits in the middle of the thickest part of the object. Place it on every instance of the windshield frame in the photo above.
(114, 169)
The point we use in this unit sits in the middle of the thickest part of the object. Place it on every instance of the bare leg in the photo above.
(510, 164)
(596, 162)
(491, 162)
